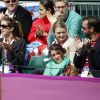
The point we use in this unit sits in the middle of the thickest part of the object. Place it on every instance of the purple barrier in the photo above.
(34, 87)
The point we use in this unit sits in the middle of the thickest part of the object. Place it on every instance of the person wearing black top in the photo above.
(13, 46)
(19, 13)
(89, 48)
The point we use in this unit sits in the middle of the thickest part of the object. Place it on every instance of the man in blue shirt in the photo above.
(72, 20)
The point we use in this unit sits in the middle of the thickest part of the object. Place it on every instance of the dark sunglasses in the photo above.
(4, 26)
(8, 1)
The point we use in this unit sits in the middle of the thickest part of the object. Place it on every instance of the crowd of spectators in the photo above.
(70, 42)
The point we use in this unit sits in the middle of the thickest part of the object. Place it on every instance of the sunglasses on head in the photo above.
(4, 26)
(8, 1)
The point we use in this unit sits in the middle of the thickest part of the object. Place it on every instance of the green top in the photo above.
(54, 69)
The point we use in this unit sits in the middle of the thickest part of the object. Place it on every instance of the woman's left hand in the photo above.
(5, 45)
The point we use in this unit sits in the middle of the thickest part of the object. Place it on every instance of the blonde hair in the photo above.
(59, 23)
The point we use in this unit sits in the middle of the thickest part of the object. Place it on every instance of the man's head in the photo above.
(61, 8)
(11, 5)
(86, 26)
(96, 29)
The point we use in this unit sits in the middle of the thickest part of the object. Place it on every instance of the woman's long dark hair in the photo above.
(48, 5)
(57, 48)
(17, 32)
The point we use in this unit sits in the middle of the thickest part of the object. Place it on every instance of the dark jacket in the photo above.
(24, 17)
(93, 56)
(16, 54)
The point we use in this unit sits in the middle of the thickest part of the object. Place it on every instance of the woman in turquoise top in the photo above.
(58, 61)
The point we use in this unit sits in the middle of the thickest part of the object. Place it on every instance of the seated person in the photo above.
(62, 38)
(72, 20)
(59, 62)
(37, 37)
(12, 45)
(41, 26)
(88, 51)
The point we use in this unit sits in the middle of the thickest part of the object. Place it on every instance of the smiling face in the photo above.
(11, 4)
(5, 28)
(42, 11)
(61, 34)
(56, 56)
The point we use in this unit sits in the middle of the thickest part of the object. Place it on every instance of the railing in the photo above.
(86, 8)
(83, 8)
(38, 70)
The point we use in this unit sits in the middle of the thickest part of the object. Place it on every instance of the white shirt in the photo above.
(10, 15)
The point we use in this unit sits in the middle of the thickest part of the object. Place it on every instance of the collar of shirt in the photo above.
(10, 15)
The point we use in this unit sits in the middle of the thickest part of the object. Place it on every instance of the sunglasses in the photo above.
(4, 26)
(8, 1)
